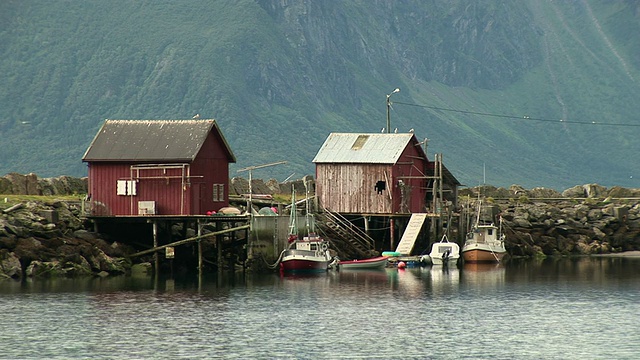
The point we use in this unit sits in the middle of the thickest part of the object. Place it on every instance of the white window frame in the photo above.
(126, 187)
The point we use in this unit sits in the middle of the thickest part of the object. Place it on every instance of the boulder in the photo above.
(575, 192)
(79, 267)
(10, 266)
(142, 269)
(594, 190)
(541, 192)
(100, 261)
(22, 184)
(239, 186)
(620, 192)
(85, 235)
(63, 185)
(45, 269)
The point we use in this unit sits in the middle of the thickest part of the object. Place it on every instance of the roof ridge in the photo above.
(160, 120)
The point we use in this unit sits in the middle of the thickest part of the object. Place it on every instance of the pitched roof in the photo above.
(152, 140)
(364, 148)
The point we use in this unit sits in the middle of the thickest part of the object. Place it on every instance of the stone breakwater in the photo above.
(583, 220)
(49, 238)
(30, 184)
(40, 239)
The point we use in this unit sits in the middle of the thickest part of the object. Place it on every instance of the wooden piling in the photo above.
(199, 249)
(186, 241)
(156, 259)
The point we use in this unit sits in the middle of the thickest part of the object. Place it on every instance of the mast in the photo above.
(310, 227)
(293, 217)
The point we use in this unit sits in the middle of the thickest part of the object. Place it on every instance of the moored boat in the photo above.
(444, 252)
(379, 262)
(484, 243)
(309, 254)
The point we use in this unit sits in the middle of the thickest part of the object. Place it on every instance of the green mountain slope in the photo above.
(280, 77)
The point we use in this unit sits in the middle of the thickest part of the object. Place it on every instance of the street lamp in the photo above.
(389, 109)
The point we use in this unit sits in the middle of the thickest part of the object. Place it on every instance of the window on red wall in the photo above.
(218, 192)
(126, 187)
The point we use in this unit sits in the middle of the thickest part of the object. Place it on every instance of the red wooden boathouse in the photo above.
(158, 167)
(387, 177)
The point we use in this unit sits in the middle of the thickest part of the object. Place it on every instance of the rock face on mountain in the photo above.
(500, 41)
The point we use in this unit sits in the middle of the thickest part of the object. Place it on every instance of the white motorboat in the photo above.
(444, 252)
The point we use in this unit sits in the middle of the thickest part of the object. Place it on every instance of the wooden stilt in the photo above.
(219, 248)
(155, 245)
(186, 241)
(246, 237)
(199, 250)
(391, 237)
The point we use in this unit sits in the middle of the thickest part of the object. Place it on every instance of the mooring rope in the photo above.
(275, 265)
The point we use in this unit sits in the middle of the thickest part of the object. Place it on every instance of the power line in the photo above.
(524, 117)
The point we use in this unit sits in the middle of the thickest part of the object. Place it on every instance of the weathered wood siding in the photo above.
(350, 188)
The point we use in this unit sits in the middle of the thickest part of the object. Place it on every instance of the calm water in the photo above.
(566, 309)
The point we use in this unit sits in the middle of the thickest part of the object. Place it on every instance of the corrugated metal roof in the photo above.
(363, 148)
(151, 140)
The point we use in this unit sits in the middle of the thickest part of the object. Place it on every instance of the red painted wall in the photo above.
(410, 167)
(165, 187)
(213, 165)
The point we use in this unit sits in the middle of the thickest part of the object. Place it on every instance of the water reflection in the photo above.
(444, 280)
(605, 272)
(594, 271)
(527, 305)
(483, 276)
(75, 285)
(362, 276)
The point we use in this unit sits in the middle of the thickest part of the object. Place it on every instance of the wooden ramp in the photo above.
(411, 233)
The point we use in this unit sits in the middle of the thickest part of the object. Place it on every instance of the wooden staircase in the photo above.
(349, 241)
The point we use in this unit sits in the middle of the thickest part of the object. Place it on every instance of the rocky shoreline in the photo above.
(583, 220)
(50, 238)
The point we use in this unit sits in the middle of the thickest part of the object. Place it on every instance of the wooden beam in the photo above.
(186, 241)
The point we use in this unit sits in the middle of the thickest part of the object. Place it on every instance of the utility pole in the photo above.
(389, 109)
